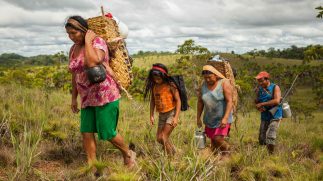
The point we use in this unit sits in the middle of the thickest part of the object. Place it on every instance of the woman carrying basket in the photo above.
(99, 101)
(216, 100)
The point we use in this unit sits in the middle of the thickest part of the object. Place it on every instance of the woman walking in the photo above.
(216, 101)
(99, 101)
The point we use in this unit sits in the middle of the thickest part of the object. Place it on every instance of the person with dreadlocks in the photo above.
(99, 101)
(165, 99)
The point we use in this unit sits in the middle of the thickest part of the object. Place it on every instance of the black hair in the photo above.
(206, 72)
(79, 19)
(153, 72)
(235, 73)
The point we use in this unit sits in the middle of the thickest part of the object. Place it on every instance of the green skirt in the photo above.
(101, 119)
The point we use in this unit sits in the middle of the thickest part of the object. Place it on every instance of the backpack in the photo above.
(180, 84)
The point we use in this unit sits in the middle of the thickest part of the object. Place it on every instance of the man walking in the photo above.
(268, 96)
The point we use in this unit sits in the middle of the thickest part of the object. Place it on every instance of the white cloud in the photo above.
(37, 26)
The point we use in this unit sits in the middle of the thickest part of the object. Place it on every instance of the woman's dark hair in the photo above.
(206, 72)
(235, 73)
(79, 19)
(153, 72)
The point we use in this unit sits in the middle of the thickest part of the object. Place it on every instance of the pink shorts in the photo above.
(212, 132)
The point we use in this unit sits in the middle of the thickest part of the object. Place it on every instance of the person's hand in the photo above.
(175, 122)
(199, 123)
(259, 105)
(261, 109)
(89, 36)
(74, 107)
(152, 120)
(224, 123)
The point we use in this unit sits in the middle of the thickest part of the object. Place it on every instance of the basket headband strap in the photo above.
(213, 70)
(77, 25)
(159, 69)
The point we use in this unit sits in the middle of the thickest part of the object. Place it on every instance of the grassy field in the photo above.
(147, 61)
(236, 62)
(40, 140)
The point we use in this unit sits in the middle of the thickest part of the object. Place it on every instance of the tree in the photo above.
(320, 9)
(60, 57)
(189, 48)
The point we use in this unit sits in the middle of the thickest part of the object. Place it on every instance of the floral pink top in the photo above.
(93, 94)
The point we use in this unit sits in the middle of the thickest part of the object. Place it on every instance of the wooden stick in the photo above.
(102, 10)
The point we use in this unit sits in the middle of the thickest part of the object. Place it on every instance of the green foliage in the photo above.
(320, 13)
(15, 60)
(25, 148)
(141, 53)
(48, 77)
(64, 154)
(318, 143)
(10, 59)
(197, 53)
(311, 52)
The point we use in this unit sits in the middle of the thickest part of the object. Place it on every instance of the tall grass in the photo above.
(25, 148)
(44, 131)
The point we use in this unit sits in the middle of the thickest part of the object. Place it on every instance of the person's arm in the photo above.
(177, 99)
(152, 108)
(74, 105)
(273, 102)
(227, 91)
(93, 56)
(200, 107)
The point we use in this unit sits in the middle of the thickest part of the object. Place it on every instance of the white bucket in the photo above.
(287, 113)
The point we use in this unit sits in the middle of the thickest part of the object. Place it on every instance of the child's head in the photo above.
(157, 75)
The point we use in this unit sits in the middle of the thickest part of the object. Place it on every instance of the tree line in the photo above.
(310, 52)
(16, 60)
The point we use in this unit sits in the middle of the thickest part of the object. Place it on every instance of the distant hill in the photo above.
(10, 59)
(235, 60)
(144, 60)
(13, 59)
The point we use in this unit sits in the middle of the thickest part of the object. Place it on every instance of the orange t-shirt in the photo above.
(164, 99)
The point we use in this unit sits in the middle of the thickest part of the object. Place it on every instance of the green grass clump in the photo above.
(44, 130)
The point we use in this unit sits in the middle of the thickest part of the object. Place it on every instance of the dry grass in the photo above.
(299, 155)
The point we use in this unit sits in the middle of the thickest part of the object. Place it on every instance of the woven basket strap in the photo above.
(124, 90)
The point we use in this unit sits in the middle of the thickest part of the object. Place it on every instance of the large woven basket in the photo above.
(225, 68)
(120, 61)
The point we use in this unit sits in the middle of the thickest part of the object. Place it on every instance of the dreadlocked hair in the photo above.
(150, 82)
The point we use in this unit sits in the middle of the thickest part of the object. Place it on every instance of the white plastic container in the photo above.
(287, 113)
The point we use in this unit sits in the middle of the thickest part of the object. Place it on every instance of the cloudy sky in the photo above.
(32, 27)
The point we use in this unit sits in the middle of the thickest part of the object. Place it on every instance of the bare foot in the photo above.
(130, 161)
(223, 158)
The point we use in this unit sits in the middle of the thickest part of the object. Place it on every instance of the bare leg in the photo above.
(221, 144)
(159, 134)
(118, 142)
(163, 138)
(89, 145)
(213, 146)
